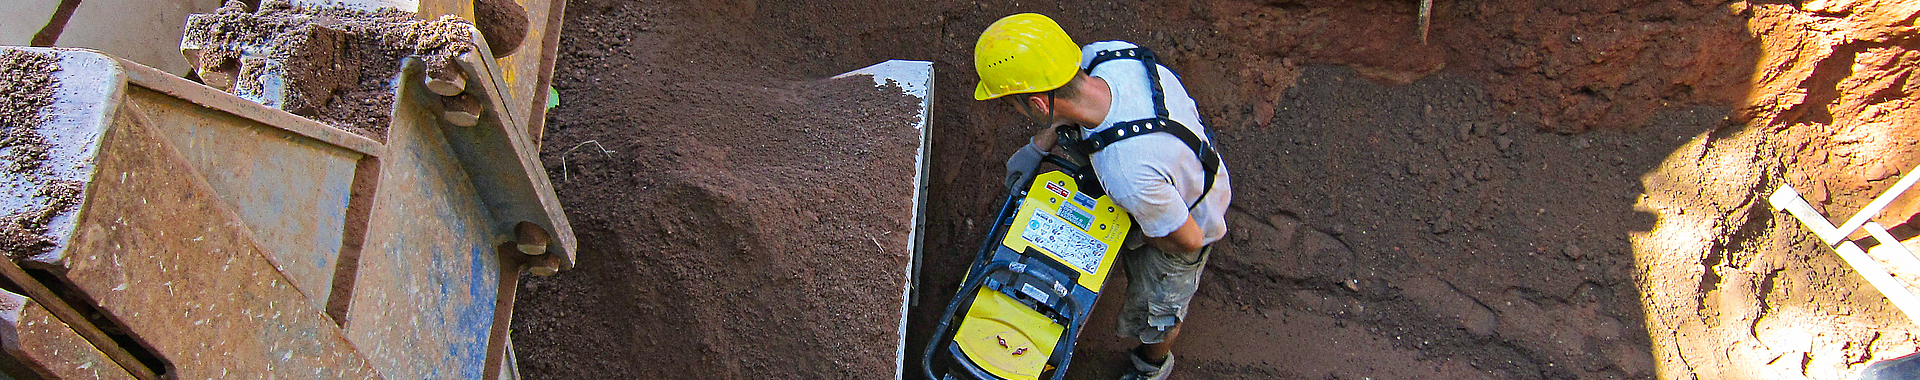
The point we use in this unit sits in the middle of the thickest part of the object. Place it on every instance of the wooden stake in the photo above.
(1426, 12)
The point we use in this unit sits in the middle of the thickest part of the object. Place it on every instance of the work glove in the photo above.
(1021, 167)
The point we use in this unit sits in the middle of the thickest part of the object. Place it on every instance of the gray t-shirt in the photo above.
(1155, 177)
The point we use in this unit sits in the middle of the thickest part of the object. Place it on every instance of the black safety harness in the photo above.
(1094, 142)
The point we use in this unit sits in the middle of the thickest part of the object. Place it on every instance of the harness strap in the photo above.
(1203, 149)
(1145, 56)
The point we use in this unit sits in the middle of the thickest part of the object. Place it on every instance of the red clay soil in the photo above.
(1475, 207)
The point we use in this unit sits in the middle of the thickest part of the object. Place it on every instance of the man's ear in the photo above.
(1038, 104)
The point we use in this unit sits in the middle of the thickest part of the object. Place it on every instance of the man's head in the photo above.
(1030, 56)
(1040, 106)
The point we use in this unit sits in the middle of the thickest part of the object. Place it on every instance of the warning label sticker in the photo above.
(1065, 240)
(1058, 190)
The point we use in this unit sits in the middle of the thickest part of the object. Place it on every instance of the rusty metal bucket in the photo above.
(218, 238)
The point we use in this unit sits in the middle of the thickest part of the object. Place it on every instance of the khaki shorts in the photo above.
(1159, 286)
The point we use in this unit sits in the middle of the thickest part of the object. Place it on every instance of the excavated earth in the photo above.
(1543, 189)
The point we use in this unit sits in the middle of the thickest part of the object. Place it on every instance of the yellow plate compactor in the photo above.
(1033, 284)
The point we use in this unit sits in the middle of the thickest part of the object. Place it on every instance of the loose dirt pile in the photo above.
(1545, 190)
(334, 65)
(26, 93)
(731, 225)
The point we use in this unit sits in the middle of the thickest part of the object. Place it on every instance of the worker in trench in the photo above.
(1142, 133)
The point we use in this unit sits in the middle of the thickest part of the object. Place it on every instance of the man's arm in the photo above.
(1020, 167)
(1186, 239)
(1148, 194)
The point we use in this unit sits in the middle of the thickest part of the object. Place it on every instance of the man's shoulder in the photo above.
(1147, 153)
(1087, 52)
(1109, 45)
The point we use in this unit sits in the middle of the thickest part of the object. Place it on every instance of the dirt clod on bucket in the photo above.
(334, 65)
(26, 92)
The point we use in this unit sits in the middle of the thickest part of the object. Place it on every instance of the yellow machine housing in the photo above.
(1012, 331)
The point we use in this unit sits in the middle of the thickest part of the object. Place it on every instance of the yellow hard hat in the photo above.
(1023, 53)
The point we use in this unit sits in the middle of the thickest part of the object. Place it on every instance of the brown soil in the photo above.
(26, 92)
(736, 229)
(23, 234)
(1545, 190)
(338, 63)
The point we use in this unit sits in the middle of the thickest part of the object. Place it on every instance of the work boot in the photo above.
(1143, 371)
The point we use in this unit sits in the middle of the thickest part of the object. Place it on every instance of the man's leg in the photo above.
(1156, 353)
(1159, 287)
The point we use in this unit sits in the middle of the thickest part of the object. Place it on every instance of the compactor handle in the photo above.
(1063, 163)
(971, 285)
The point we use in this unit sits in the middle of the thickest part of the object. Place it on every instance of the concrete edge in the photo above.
(916, 78)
